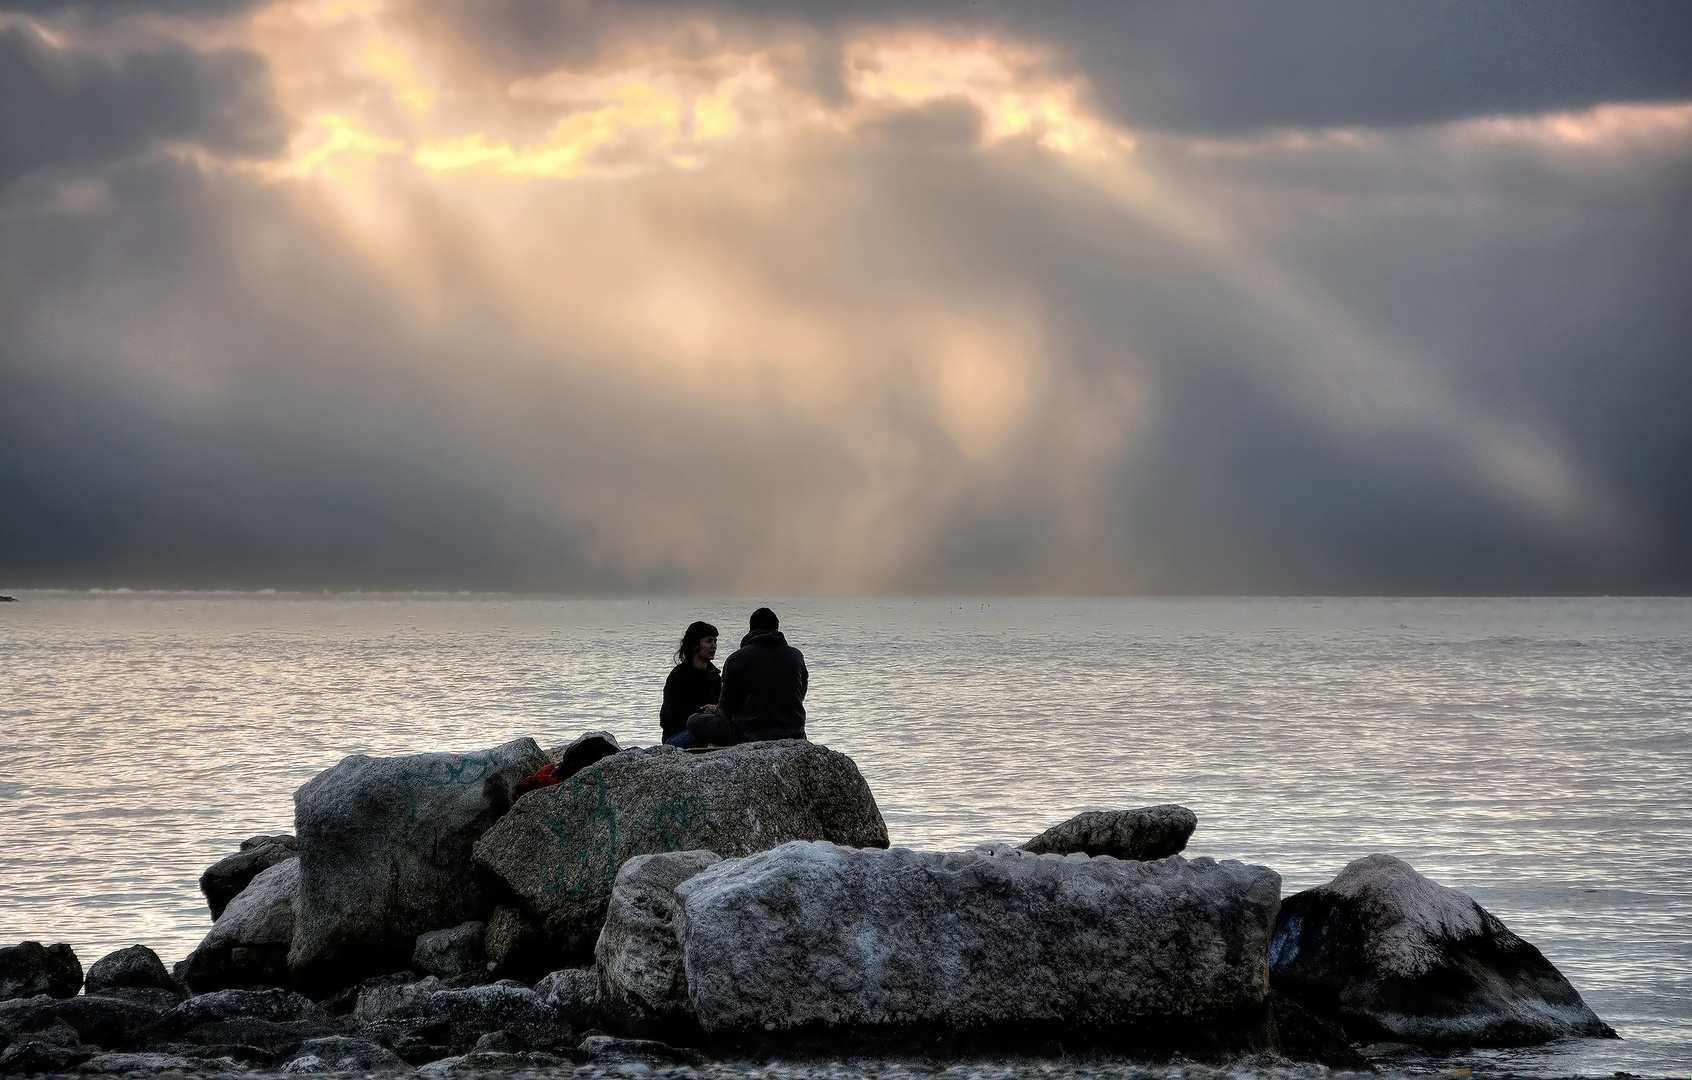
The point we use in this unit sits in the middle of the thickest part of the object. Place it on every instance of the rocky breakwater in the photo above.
(815, 944)
(560, 848)
(1392, 956)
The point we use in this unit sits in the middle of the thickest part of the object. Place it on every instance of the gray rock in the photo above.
(638, 956)
(453, 951)
(468, 1013)
(277, 1006)
(1395, 957)
(1151, 832)
(574, 992)
(40, 1056)
(119, 1063)
(379, 1000)
(516, 946)
(816, 937)
(486, 1061)
(498, 1042)
(608, 1049)
(509, 1007)
(252, 1038)
(224, 879)
(150, 997)
(385, 849)
(106, 1021)
(341, 1053)
(249, 945)
(305, 1063)
(587, 748)
(30, 968)
(560, 847)
(134, 967)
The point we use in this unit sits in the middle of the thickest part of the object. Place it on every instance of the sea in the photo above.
(1535, 753)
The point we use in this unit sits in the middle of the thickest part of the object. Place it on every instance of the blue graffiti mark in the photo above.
(467, 770)
(587, 852)
(672, 825)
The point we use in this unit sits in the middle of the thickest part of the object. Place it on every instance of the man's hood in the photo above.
(763, 637)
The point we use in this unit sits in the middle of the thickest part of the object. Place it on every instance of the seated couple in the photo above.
(758, 695)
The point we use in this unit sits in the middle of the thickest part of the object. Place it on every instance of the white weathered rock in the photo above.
(385, 855)
(1394, 956)
(811, 935)
(560, 847)
(638, 955)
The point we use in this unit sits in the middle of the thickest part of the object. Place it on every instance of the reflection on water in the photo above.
(1535, 753)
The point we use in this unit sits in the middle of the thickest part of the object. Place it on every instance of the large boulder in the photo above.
(136, 967)
(816, 941)
(1151, 832)
(248, 945)
(642, 984)
(30, 968)
(1394, 956)
(224, 879)
(560, 847)
(385, 849)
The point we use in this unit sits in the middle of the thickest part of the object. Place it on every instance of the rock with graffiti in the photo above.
(560, 847)
(385, 855)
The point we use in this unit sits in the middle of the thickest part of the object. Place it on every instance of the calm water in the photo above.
(1536, 753)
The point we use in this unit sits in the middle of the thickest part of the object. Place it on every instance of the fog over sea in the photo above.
(1535, 753)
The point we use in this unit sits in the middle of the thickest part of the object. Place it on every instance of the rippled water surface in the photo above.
(1535, 753)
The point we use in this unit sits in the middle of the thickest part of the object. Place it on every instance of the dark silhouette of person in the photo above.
(694, 684)
(764, 684)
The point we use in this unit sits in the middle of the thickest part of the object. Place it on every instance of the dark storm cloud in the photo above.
(71, 108)
(1405, 359)
(1559, 309)
(1198, 65)
(277, 448)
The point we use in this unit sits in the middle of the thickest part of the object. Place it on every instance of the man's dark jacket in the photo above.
(764, 684)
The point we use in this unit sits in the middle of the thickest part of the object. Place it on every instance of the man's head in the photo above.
(765, 619)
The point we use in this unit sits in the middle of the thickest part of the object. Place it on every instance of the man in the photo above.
(764, 686)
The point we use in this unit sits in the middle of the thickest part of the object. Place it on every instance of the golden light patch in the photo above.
(384, 61)
(983, 378)
(1601, 127)
(641, 121)
(339, 148)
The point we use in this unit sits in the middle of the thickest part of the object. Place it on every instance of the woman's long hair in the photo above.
(696, 632)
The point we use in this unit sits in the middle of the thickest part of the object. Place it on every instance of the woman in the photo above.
(693, 686)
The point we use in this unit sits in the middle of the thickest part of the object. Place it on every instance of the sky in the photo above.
(847, 298)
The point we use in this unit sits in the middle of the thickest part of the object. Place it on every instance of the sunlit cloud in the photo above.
(735, 325)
